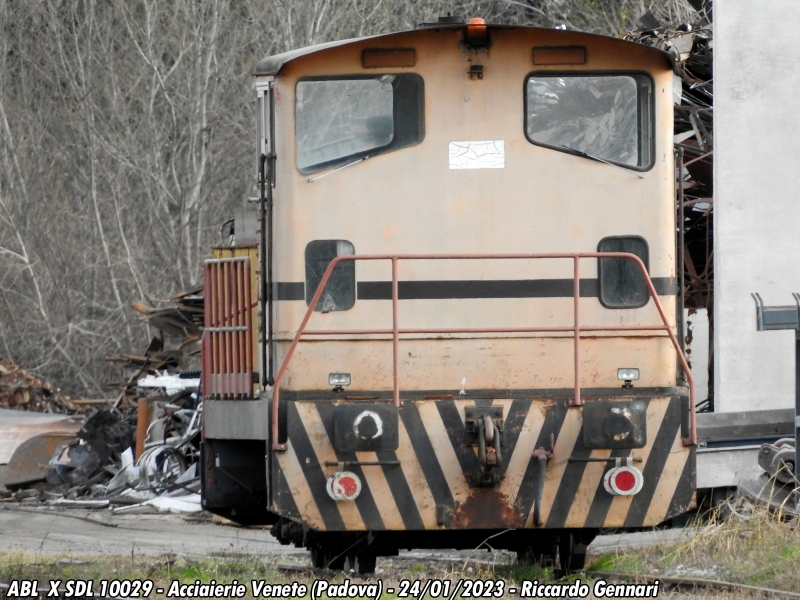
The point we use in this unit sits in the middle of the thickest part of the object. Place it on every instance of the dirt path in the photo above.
(80, 532)
(86, 533)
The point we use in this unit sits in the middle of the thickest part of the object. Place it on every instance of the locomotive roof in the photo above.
(272, 65)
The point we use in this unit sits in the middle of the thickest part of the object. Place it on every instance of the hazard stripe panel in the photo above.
(432, 480)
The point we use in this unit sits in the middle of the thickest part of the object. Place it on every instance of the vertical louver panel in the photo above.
(228, 336)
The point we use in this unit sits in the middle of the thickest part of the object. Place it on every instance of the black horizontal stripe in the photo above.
(493, 288)
(471, 289)
(291, 290)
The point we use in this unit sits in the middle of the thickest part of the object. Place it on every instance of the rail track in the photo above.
(684, 584)
(693, 583)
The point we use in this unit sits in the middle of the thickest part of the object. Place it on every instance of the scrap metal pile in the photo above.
(181, 322)
(20, 390)
(138, 453)
(692, 46)
(95, 466)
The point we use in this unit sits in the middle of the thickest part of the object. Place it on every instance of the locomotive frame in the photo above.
(452, 432)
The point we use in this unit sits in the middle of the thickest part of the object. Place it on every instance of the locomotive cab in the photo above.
(457, 318)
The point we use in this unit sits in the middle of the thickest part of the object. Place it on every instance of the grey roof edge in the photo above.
(272, 65)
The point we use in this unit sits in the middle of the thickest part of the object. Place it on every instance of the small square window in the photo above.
(340, 291)
(621, 281)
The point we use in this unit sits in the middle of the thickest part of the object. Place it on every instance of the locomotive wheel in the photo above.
(325, 557)
(361, 564)
(317, 557)
(529, 556)
(542, 553)
(571, 553)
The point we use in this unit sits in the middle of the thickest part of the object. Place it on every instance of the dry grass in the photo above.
(161, 571)
(761, 549)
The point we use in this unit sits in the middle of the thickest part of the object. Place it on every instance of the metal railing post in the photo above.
(395, 331)
(576, 340)
(395, 336)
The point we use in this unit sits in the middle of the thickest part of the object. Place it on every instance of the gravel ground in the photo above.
(75, 535)
(81, 532)
(98, 532)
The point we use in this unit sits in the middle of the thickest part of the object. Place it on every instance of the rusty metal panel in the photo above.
(17, 426)
(31, 459)
(240, 382)
(433, 480)
(227, 350)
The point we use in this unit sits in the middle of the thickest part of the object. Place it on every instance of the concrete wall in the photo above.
(757, 197)
(697, 349)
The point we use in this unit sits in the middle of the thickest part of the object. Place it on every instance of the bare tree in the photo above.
(126, 138)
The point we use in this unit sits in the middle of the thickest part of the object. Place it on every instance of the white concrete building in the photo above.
(756, 198)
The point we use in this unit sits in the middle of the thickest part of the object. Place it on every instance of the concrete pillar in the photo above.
(756, 197)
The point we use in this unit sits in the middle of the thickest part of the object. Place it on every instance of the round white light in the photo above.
(343, 485)
(375, 417)
(623, 481)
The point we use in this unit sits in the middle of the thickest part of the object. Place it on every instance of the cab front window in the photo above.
(602, 116)
(343, 119)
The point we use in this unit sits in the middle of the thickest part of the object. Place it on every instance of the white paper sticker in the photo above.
(483, 154)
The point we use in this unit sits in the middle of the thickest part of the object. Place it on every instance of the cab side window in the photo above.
(340, 291)
(621, 281)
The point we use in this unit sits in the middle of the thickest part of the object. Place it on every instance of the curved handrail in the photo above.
(395, 331)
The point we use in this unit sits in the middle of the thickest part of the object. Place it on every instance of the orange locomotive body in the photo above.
(455, 315)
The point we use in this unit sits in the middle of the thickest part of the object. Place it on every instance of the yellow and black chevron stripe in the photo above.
(430, 481)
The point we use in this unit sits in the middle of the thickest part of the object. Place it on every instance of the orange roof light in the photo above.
(476, 28)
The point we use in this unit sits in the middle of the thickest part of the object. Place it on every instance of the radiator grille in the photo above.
(228, 336)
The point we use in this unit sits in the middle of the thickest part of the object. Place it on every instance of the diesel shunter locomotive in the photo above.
(450, 318)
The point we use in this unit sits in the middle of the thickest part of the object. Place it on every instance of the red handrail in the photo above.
(395, 331)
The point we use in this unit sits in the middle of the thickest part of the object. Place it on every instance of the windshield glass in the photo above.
(348, 118)
(604, 116)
